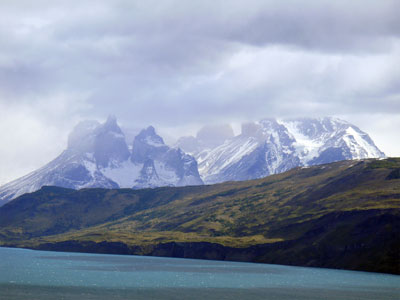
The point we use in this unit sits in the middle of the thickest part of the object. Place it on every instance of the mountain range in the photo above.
(98, 155)
(273, 146)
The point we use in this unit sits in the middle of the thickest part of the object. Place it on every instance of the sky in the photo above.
(178, 65)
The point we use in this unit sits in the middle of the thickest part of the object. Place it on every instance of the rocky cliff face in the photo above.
(160, 164)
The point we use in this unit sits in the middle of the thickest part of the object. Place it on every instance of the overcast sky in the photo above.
(180, 64)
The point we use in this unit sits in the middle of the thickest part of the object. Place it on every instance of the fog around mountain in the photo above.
(99, 155)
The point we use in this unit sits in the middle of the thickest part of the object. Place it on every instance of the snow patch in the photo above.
(166, 174)
(226, 154)
(125, 174)
(358, 146)
(90, 166)
(306, 148)
(152, 142)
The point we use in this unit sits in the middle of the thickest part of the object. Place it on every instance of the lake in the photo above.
(29, 274)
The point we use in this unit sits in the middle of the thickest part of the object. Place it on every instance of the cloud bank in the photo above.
(180, 64)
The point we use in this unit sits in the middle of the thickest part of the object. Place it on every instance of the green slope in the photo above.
(341, 215)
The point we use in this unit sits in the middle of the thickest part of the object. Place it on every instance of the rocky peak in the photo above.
(111, 125)
(150, 137)
(98, 156)
(271, 125)
(104, 142)
(110, 147)
(318, 127)
(147, 145)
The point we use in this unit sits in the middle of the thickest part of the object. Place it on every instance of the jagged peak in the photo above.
(82, 136)
(269, 123)
(111, 124)
(150, 130)
(149, 136)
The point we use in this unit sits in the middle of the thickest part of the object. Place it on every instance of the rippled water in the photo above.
(28, 274)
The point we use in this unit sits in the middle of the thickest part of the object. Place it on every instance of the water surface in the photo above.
(28, 274)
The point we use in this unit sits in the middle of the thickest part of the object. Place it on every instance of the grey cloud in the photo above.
(332, 26)
(362, 26)
(179, 63)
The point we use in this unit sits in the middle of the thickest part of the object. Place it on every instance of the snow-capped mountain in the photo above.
(161, 165)
(273, 146)
(98, 156)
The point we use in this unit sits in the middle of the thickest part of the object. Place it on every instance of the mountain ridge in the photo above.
(272, 146)
(98, 155)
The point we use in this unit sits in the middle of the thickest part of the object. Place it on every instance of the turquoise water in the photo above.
(28, 274)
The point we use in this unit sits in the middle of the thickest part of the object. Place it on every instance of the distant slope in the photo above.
(340, 215)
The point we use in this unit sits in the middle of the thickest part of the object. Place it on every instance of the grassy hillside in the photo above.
(342, 215)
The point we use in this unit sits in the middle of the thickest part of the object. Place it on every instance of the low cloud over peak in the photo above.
(182, 64)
